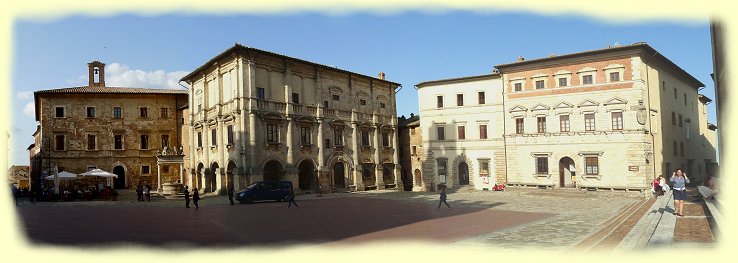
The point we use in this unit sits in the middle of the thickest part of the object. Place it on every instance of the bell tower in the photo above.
(97, 74)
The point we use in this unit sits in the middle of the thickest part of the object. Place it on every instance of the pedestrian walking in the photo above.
(195, 198)
(230, 193)
(187, 196)
(14, 190)
(147, 193)
(291, 198)
(658, 189)
(139, 193)
(680, 181)
(442, 196)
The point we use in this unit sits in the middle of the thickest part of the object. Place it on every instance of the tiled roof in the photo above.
(638, 45)
(112, 90)
(238, 47)
(451, 80)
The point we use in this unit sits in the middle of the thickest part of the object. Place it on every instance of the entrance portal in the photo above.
(272, 171)
(120, 182)
(567, 173)
(306, 175)
(339, 174)
(463, 174)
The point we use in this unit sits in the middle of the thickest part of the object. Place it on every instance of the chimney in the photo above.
(381, 75)
(97, 74)
(520, 58)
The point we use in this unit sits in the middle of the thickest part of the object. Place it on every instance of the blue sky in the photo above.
(410, 47)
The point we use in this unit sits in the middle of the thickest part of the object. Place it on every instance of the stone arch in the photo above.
(211, 182)
(200, 173)
(307, 174)
(417, 177)
(273, 170)
(231, 168)
(122, 180)
(455, 168)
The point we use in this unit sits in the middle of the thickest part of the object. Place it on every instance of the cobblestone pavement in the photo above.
(577, 214)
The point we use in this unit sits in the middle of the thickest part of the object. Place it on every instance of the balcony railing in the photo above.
(271, 106)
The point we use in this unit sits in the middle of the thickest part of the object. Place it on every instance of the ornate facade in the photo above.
(120, 130)
(256, 115)
(612, 118)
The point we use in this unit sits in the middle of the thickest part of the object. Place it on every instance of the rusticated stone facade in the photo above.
(257, 115)
(119, 130)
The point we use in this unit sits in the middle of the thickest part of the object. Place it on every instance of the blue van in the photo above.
(266, 190)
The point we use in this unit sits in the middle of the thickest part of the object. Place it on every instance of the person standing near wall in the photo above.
(187, 196)
(680, 181)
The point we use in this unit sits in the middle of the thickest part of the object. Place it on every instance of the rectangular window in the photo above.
(118, 145)
(145, 169)
(591, 165)
(415, 150)
(673, 118)
(439, 101)
(365, 138)
(229, 129)
(459, 99)
(461, 132)
(144, 112)
(541, 124)
(681, 148)
(90, 112)
(483, 167)
(199, 139)
(327, 143)
(362, 102)
(480, 97)
(614, 76)
(260, 94)
(336, 97)
(164, 113)
(519, 128)
(91, 142)
(338, 136)
(675, 93)
(518, 86)
(385, 139)
(325, 104)
(539, 84)
(680, 120)
(442, 169)
(381, 105)
(144, 142)
(117, 112)
(295, 98)
(663, 85)
(272, 133)
(675, 148)
(60, 112)
(587, 79)
(542, 165)
(563, 82)
(617, 121)
(564, 123)
(305, 136)
(441, 132)
(589, 122)
(164, 141)
(213, 137)
(483, 131)
(685, 99)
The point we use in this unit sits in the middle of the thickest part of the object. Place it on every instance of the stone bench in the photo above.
(717, 218)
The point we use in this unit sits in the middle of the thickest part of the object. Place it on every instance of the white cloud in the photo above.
(119, 75)
(24, 95)
(29, 109)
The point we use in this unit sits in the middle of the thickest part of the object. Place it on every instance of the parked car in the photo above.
(266, 190)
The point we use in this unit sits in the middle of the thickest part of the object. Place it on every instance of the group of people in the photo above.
(679, 181)
(143, 193)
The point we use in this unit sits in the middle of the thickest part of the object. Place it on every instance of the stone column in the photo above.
(288, 141)
(218, 180)
(358, 180)
(379, 174)
(181, 173)
(221, 147)
(252, 144)
(158, 178)
(395, 159)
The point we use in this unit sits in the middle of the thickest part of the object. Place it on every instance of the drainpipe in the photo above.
(650, 123)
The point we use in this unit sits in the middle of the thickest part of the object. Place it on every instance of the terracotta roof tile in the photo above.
(112, 90)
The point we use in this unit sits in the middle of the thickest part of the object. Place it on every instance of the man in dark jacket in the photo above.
(187, 196)
(230, 193)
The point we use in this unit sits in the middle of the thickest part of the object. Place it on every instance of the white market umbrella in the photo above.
(100, 173)
(63, 176)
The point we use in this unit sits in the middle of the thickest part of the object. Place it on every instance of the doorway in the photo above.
(119, 182)
(463, 174)
(567, 173)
